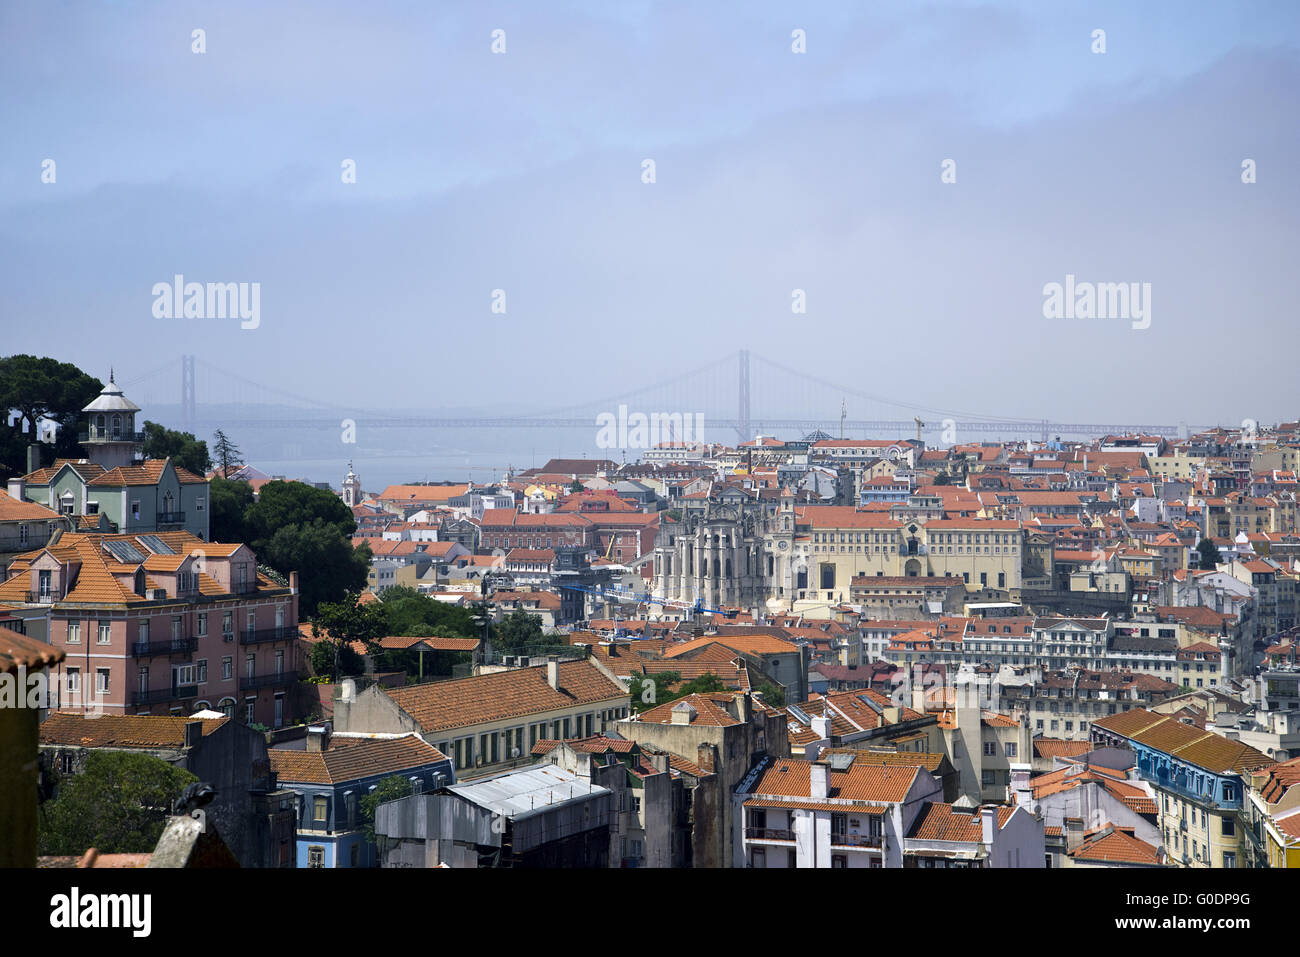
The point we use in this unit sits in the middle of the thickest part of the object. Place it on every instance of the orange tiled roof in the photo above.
(876, 783)
(1114, 845)
(352, 759)
(944, 822)
(462, 702)
(120, 730)
(17, 510)
(1201, 748)
(19, 650)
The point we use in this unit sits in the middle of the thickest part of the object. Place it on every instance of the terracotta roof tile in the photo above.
(445, 705)
(350, 760)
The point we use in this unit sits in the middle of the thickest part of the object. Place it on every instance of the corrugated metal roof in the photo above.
(520, 794)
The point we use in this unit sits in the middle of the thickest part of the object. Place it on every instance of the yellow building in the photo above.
(842, 544)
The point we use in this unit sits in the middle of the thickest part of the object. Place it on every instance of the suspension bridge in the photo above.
(744, 393)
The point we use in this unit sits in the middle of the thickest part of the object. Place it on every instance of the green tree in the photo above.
(349, 620)
(942, 479)
(118, 804)
(230, 500)
(1210, 556)
(226, 453)
(35, 389)
(517, 630)
(707, 683)
(281, 504)
(392, 788)
(328, 566)
(323, 655)
(182, 448)
(650, 691)
(407, 612)
(772, 695)
(576, 486)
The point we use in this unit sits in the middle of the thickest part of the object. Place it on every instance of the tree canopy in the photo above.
(225, 453)
(391, 788)
(35, 388)
(182, 447)
(119, 805)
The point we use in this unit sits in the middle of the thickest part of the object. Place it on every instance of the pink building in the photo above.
(163, 623)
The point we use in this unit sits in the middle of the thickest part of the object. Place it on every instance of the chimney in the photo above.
(33, 457)
(553, 672)
(821, 726)
(743, 706)
(318, 738)
(17, 488)
(193, 733)
(918, 697)
(820, 780)
(293, 582)
(988, 824)
(704, 757)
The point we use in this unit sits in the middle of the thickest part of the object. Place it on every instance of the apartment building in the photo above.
(837, 812)
(163, 623)
(330, 778)
(1198, 779)
(490, 722)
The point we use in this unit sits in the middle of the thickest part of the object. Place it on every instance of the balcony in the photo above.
(267, 635)
(109, 435)
(40, 597)
(171, 518)
(768, 834)
(253, 682)
(173, 646)
(160, 695)
(855, 840)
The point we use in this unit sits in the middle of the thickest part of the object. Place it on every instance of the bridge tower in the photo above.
(187, 392)
(742, 415)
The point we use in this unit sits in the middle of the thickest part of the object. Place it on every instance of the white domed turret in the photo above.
(351, 489)
(111, 438)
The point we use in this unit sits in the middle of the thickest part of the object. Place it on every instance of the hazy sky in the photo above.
(522, 171)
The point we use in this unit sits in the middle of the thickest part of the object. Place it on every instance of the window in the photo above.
(990, 749)
(250, 708)
(101, 680)
(74, 679)
(227, 668)
(1229, 859)
(201, 670)
(1229, 828)
(105, 633)
(135, 510)
(316, 854)
(227, 624)
(74, 632)
(203, 623)
(1010, 748)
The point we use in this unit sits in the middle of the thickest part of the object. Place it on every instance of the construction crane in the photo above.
(919, 426)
